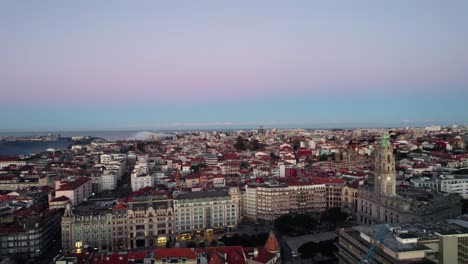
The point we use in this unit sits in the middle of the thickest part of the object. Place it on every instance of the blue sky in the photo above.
(92, 65)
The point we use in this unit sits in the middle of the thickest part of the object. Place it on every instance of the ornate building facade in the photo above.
(200, 213)
(143, 221)
(384, 203)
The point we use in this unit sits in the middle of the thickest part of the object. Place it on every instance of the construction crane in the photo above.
(379, 238)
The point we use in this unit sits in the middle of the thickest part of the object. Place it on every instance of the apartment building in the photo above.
(250, 202)
(30, 235)
(204, 211)
(273, 201)
(77, 190)
(140, 176)
(307, 198)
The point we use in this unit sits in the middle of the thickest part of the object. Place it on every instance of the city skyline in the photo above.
(93, 66)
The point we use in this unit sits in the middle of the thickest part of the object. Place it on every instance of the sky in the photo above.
(99, 65)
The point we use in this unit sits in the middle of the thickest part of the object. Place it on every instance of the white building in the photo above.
(250, 201)
(282, 170)
(140, 177)
(219, 181)
(105, 158)
(455, 184)
(200, 211)
(448, 183)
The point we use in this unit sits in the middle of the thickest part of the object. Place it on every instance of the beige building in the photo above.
(201, 213)
(349, 198)
(334, 194)
(307, 198)
(236, 195)
(272, 201)
(250, 202)
(88, 226)
(105, 225)
(150, 219)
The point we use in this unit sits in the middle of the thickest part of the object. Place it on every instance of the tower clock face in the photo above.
(388, 178)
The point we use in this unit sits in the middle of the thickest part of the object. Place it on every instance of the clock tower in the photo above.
(385, 174)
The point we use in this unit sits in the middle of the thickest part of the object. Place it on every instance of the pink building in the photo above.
(77, 191)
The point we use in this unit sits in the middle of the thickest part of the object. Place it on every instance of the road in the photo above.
(51, 253)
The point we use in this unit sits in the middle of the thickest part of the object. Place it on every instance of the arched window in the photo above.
(388, 158)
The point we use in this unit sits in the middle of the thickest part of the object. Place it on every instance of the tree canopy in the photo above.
(295, 224)
(240, 144)
(334, 215)
(310, 249)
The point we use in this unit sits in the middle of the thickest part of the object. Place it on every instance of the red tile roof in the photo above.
(119, 206)
(74, 184)
(231, 254)
(264, 256)
(272, 244)
(174, 252)
(6, 197)
(60, 199)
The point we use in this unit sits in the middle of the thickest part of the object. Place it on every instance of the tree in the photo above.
(274, 156)
(245, 164)
(310, 249)
(255, 144)
(240, 144)
(295, 224)
(334, 215)
(283, 224)
(419, 151)
(195, 168)
(465, 206)
(305, 221)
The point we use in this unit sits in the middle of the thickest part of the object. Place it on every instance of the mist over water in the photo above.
(145, 135)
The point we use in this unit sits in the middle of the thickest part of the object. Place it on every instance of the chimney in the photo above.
(255, 252)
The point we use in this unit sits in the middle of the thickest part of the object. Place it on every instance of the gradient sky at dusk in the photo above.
(92, 65)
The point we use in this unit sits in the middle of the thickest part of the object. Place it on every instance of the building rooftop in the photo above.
(201, 195)
(95, 207)
(416, 231)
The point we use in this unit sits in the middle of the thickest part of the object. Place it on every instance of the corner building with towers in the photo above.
(384, 202)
